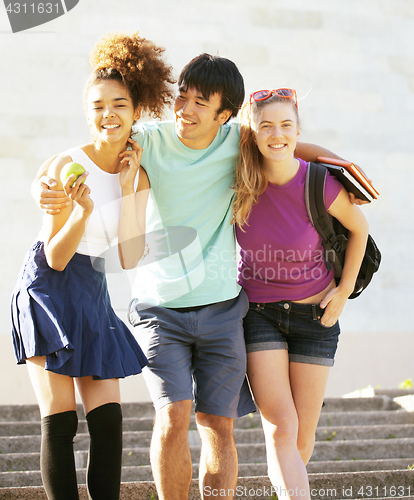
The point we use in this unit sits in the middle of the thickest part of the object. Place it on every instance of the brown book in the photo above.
(354, 171)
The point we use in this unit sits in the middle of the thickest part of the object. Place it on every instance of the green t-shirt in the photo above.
(192, 252)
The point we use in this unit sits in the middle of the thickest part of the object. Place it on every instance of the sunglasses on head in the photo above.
(262, 95)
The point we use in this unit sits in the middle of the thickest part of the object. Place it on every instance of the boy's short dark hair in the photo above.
(215, 74)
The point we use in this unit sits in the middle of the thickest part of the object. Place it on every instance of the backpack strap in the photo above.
(333, 233)
(315, 205)
(315, 202)
(314, 192)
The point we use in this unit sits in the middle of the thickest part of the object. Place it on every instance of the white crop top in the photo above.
(102, 226)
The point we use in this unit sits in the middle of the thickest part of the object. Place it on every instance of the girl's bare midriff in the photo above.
(315, 299)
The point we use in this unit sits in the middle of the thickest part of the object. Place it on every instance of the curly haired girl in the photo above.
(64, 326)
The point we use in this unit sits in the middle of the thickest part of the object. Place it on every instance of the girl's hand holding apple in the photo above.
(79, 192)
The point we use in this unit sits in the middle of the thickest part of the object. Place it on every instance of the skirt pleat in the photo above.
(67, 316)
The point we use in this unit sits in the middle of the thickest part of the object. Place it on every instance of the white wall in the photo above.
(352, 64)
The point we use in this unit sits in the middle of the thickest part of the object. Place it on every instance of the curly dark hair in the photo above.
(137, 63)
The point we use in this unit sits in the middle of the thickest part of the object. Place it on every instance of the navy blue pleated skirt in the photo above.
(67, 316)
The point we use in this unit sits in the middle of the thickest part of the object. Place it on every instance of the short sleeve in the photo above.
(141, 135)
(332, 189)
(138, 134)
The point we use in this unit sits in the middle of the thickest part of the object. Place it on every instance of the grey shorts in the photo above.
(196, 353)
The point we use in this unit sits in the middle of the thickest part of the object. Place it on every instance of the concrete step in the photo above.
(354, 434)
(31, 444)
(353, 485)
(375, 403)
(393, 393)
(368, 449)
(350, 486)
(251, 453)
(359, 465)
(367, 418)
(251, 421)
(144, 472)
(350, 432)
(30, 413)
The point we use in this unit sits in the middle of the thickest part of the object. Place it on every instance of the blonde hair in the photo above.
(251, 181)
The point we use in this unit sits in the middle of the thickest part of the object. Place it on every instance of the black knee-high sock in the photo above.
(57, 461)
(105, 453)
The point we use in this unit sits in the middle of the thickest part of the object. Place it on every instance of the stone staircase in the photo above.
(364, 449)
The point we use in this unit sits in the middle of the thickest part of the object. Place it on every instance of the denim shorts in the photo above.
(195, 353)
(293, 326)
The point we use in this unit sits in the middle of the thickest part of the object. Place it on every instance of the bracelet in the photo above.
(146, 252)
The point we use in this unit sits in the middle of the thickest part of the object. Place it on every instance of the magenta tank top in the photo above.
(281, 253)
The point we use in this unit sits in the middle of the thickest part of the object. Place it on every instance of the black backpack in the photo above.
(334, 234)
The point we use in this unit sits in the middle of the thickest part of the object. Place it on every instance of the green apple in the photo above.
(69, 169)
